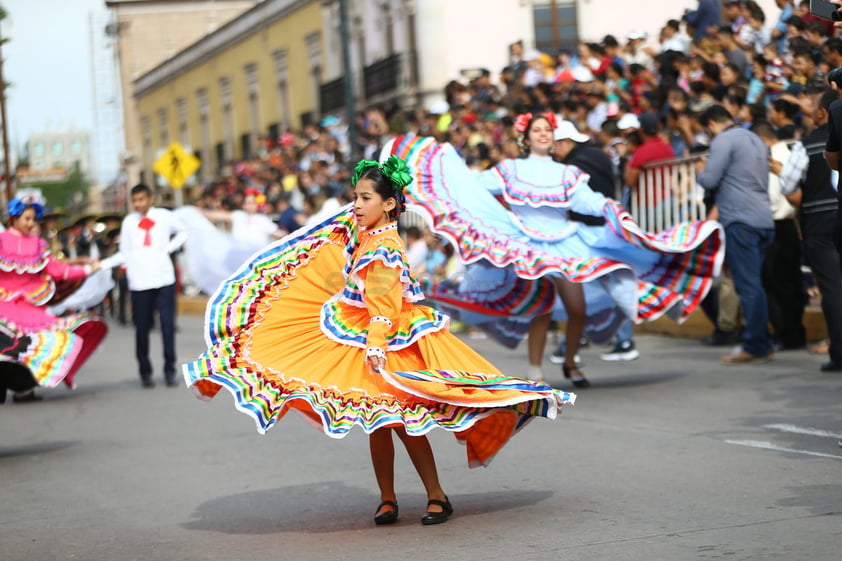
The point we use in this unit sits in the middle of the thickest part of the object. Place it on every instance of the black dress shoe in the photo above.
(387, 517)
(722, 339)
(831, 366)
(27, 397)
(438, 517)
(171, 383)
(148, 384)
(578, 381)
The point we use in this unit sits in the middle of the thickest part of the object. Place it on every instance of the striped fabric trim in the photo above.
(38, 295)
(338, 413)
(347, 334)
(14, 263)
(559, 198)
(48, 355)
(388, 256)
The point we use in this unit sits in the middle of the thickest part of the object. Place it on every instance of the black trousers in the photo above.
(824, 261)
(144, 304)
(784, 286)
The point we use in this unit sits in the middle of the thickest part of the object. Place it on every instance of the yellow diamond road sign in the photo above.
(176, 165)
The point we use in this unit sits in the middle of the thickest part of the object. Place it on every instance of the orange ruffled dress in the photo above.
(292, 327)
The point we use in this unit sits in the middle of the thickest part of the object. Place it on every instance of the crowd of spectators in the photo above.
(761, 67)
(768, 70)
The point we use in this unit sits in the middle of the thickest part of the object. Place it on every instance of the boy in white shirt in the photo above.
(147, 238)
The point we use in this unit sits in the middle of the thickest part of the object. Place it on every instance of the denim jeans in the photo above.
(625, 333)
(745, 250)
(144, 303)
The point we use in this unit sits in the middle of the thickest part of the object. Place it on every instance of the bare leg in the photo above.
(383, 460)
(421, 454)
(538, 339)
(573, 297)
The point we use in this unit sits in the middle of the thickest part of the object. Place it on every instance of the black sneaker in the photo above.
(148, 384)
(621, 351)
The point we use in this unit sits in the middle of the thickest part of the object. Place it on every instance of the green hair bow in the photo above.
(396, 169)
(360, 169)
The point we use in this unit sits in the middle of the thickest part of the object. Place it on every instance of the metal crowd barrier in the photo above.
(667, 193)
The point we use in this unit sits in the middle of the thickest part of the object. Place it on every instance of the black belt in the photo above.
(824, 205)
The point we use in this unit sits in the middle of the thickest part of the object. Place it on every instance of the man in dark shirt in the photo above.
(806, 181)
(833, 148)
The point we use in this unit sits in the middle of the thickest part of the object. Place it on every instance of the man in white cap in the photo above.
(571, 148)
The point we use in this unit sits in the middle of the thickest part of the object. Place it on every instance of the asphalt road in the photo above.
(670, 457)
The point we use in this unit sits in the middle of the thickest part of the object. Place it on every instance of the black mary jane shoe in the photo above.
(578, 381)
(437, 517)
(388, 517)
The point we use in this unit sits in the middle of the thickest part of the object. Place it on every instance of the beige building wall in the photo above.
(148, 32)
(246, 55)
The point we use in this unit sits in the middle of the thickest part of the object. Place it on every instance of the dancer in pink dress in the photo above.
(28, 276)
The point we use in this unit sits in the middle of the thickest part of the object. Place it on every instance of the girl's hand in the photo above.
(376, 363)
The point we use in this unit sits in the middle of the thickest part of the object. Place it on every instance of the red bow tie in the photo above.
(146, 223)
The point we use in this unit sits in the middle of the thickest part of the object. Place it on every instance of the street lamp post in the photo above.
(347, 84)
(7, 172)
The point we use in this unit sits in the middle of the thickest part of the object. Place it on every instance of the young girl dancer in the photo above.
(28, 277)
(325, 322)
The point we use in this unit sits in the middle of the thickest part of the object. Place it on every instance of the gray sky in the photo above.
(48, 63)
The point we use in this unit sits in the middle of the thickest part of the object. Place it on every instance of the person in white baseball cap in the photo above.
(628, 121)
(567, 130)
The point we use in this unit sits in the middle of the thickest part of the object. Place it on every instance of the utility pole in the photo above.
(346, 80)
(7, 172)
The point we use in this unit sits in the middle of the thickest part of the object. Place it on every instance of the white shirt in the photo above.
(146, 251)
(251, 230)
(416, 253)
(330, 207)
(781, 209)
(678, 42)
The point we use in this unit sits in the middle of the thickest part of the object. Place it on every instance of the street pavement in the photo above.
(673, 456)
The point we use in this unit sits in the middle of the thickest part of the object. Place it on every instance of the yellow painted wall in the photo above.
(287, 34)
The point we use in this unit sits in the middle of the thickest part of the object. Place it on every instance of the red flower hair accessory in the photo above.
(523, 121)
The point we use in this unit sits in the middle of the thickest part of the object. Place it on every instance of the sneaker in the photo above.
(556, 358)
(621, 351)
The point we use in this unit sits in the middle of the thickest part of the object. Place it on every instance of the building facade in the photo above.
(253, 78)
(148, 32)
(60, 149)
(279, 65)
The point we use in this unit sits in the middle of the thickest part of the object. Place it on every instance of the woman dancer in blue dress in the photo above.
(510, 224)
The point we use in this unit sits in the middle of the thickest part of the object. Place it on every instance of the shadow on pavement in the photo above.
(34, 449)
(333, 507)
(619, 381)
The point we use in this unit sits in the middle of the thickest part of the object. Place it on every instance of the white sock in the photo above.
(534, 373)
